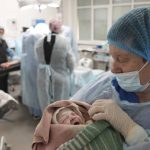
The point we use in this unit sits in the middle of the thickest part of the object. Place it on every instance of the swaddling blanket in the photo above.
(98, 135)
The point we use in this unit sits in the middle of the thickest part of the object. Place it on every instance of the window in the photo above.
(118, 11)
(137, 5)
(100, 23)
(100, 2)
(95, 17)
(141, 1)
(121, 1)
(84, 2)
(84, 23)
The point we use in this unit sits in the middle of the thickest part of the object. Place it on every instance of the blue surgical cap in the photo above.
(131, 32)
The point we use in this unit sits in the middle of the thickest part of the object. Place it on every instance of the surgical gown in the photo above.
(69, 36)
(54, 80)
(102, 88)
(29, 74)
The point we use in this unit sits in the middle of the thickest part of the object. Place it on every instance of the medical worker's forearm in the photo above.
(136, 135)
(145, 145)
(110, 111)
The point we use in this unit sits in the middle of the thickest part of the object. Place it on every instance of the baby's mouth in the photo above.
(76, 121)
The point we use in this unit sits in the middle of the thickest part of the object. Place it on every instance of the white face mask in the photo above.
(130, 81)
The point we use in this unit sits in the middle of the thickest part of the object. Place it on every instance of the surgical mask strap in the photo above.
(144, 66)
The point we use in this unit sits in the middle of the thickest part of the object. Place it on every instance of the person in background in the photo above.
(122, 96)
(29, 66)
(5, 54)
(56, 65)
(67, 32)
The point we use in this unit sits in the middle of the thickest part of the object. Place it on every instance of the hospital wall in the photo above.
(10, 12)
(69, 15)
(13, 18)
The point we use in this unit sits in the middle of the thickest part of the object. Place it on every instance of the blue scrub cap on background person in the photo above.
(131, 32)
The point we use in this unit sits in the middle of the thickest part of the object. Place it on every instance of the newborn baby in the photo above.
(68, 115)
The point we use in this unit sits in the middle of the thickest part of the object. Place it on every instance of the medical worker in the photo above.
(29, 66)
(7, 59)
(55, 67)
(67, 32)
(122, 96)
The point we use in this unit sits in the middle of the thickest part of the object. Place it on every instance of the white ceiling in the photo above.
(23, 3)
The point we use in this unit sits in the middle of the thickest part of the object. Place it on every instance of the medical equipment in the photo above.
(86, 62)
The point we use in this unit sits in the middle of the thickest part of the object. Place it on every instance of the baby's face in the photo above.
(68, 116)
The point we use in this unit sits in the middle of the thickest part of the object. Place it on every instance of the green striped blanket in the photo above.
(97, 136)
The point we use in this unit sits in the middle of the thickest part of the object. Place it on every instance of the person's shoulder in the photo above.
(61, 39)
(106, 75)
(3, 41)
(39, 43)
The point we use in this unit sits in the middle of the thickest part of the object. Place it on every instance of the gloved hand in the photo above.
(109, 110)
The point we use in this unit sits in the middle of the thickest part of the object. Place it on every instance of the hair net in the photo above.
(55, 25)
(131, 32)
